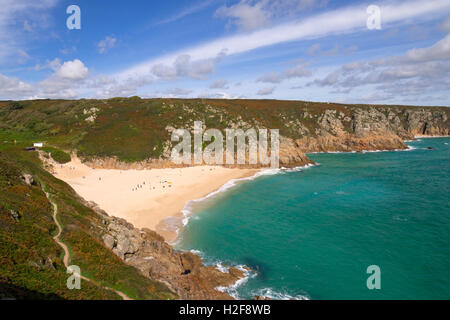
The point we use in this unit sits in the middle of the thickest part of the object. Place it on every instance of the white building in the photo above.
(38, 145)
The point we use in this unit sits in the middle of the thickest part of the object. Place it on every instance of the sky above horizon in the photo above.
(315, 50)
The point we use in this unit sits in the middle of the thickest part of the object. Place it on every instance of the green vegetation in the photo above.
(57, 155)
(130, 129)
(135, 129)
(31, 265)
(16, 105)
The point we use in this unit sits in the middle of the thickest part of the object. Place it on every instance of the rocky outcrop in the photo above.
(183, 272)
(29, 180)
(373, 128)
(114, 163)
(337, 128)
(427, 122)
(348, 143)
(15, 215)
(292, 154)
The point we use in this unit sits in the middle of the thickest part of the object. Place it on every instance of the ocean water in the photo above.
(313, 233)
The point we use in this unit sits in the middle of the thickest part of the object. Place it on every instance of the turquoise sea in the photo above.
(313, 233)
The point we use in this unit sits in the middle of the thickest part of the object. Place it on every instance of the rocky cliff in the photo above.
(373, 128)
(327, 129)
(134, 133)
(182, 272)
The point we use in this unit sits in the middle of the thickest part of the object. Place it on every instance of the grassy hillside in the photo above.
(31, 265)
(133, 129)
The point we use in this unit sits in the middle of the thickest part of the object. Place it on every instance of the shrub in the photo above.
(58, 155)
(16, 106)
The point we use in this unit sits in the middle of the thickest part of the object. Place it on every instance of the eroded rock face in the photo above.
(425, 122)
(182, 272)
(291, 154)
(29, 180)
(348, 143)
(374, 128)
(347, 128)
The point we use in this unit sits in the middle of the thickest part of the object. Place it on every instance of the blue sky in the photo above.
(320, 50)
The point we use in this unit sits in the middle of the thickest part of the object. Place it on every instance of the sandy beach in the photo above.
(150, 198)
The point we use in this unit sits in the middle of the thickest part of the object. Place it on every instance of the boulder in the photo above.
(109, 241)
(29, 180)
(15, 215)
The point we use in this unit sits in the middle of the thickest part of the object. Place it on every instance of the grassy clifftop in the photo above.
(134, 129)
(31, 265)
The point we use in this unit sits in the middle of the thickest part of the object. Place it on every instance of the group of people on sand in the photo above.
(141, 186)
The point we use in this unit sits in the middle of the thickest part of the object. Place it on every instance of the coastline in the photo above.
(161, 199)
(426, 137)
(148, 198)
(170, 224)
(172, 221)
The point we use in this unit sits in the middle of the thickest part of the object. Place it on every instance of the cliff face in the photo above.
(134, 133)
(182, 272)
(329, 129)
(380, 128)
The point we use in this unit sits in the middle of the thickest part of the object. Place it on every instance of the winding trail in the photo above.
(66, 251)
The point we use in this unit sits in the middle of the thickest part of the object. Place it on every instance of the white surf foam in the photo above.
(232, 290)
(269, 293)
(222, 268)
(409, 148)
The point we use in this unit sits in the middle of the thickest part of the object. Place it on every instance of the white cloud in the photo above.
(13, 88)
(108, 87)
(265, 91)
(295, 72)
(315, 50)
(220, 95)
(178, 92)
(219, 84)
(106, 44)
(250, 15)
(183, 66)
(414, 74)
(271, 77)
(445, 25)
(65, 82)
(245, 15)
(438, 51)
(320, 25)
(30, 14)
(54, 64)
(73, 70)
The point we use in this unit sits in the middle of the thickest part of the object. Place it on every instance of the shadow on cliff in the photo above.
(12, 292)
